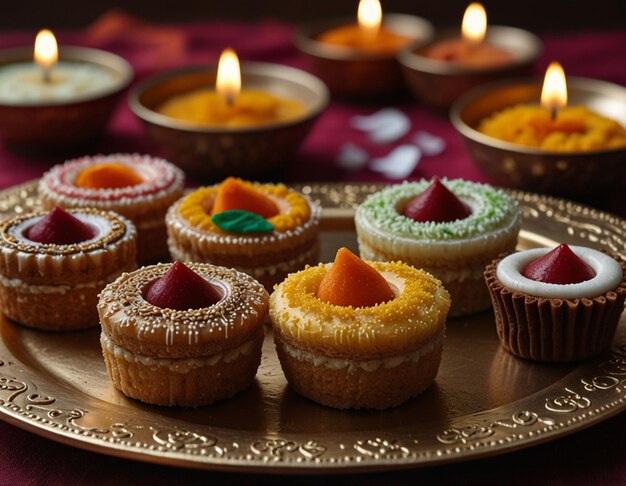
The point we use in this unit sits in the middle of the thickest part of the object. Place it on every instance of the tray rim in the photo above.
(288, 453)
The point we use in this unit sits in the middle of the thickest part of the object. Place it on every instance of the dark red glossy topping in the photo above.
(60, 228)
(181, 289)
(559, 266)
(437, 205)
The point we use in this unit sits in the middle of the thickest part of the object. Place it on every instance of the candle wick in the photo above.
(553, 113)
(230, 101)
(46, 75)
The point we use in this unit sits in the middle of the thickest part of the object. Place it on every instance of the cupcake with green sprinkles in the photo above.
(450, 228)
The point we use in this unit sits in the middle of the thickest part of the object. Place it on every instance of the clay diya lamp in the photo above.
(438, 72)
(222, 120)
(568, 140)
(61, 98)
(358, 59)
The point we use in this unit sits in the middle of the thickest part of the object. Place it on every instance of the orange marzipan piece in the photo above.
(352, 282)
(108, 176)
(235, 194)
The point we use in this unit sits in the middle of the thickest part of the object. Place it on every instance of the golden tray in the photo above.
(484, 401)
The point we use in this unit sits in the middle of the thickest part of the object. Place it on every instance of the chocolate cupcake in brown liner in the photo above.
(558, 329)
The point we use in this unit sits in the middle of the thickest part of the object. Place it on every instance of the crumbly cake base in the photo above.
(198, 386)
(68, 309)
(347, 388)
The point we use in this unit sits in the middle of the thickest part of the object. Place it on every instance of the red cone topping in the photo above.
(182, 289)
(437, 205)
(559, 266)
(60, 228)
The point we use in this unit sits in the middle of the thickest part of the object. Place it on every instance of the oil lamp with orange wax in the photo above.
(440, 71)
(368, 35)
(471, 49)
(358, 59)
(228, 105)
(552, 125)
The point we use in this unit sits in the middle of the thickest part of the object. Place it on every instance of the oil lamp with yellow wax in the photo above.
(230, 119)
(552, 125)
(560, 137)
(357, 59)
(228, 105)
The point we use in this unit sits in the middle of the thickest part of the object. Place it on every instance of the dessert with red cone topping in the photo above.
(437, 205)
(451, 229)
(357, 334)
(53, 265)
(182, 334)
(559, 266)
(139, 187)
(59, 227)
(561, 304)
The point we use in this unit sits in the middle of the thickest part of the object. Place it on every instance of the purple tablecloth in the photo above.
(596, 456)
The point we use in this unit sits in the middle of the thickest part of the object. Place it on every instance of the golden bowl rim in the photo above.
(573, 83)
(305, 41)
(409, 59)
(92, 55)
(148, 115)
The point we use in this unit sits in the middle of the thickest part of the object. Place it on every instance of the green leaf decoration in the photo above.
(241, 222)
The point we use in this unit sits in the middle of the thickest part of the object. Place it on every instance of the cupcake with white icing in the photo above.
(138, 187)
(264, 230)
(451, 229)
(53, 265)
(182, 335)
(557, 305)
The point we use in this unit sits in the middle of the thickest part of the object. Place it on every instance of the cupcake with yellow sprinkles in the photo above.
(356, 334)
(264, 230)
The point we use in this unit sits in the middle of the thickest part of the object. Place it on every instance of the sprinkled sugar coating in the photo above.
(294, 208)
(491, 210)
(268, 257)
(407, 322)
(109, 226)
(133, 323)
(160, 177)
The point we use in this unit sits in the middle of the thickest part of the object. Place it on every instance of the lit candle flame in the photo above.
(370, 15)
(228, 82)
(46, 52)
(474, 25)
(554, 91)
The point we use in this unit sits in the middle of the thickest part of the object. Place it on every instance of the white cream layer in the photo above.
(366, 365)
(180, 365)
(26, 288)
(608, 275)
